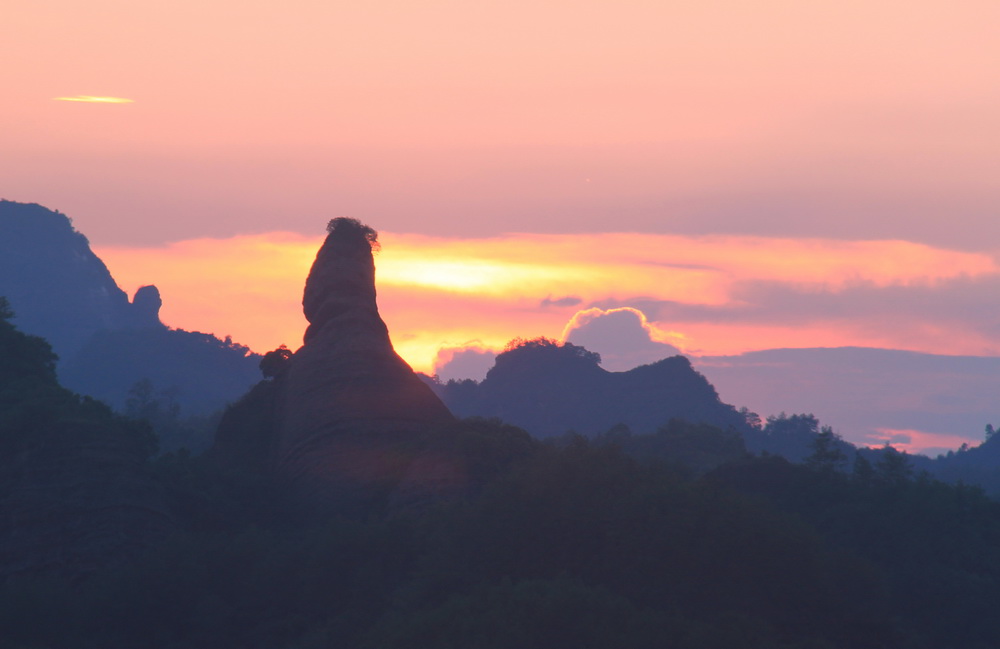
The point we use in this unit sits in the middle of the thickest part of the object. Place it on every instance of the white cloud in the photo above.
(623, 337)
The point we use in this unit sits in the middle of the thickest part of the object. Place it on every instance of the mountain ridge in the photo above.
(61, 290)
(549, 388)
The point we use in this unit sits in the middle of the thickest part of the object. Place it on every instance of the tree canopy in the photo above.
(352, 230)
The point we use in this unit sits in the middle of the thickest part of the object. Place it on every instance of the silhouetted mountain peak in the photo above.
(673, 371)
(24, 221)
(549, 388)
(61, 291)
(543, 357)
(48, 272)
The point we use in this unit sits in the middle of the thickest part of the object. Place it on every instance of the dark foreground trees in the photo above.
(575, 545)
(675, 540)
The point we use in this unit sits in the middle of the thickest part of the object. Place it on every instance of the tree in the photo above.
(23, 356)
(893, 467)
(143, 402)
(790, 436)
(348, 229)
(6, 313)
(863, 471)
(275, 363)
(550, 346)
(827, 455)
(752, 419)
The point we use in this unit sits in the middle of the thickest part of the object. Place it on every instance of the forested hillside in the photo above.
(686, 542)
(76, 489)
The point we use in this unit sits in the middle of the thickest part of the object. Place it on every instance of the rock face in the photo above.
(59, 289)
(146, 307)
(350, 414)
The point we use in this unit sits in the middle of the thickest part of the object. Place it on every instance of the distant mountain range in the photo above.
(869, 396)
(108, 345)
(930, 403)
(550, 389)
(61, 291)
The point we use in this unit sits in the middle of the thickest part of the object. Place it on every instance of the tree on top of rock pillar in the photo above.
(348, 229)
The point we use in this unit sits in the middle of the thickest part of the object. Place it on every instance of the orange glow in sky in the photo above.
(745, 174)
(439, 293)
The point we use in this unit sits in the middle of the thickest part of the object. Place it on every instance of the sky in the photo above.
(742, 176)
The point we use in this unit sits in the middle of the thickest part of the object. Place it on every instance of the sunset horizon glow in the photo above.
(708, 297)
(745, 176)
(444, 293)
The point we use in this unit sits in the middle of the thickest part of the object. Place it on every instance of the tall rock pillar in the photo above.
(348, 406)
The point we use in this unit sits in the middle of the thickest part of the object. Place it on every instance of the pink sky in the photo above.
(833, 119)
(800, 174)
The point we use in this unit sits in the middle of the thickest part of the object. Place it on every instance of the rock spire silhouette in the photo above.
(346, 393)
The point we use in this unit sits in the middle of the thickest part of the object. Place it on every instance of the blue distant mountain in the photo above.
(868, 395)
(550, 389)
(107, 344)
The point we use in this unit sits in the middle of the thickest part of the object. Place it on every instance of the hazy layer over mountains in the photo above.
(60, 290)
(868, 395)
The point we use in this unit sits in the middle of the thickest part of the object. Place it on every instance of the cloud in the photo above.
(569, 300)
(470, 361)
(918, 441)
(947, 315)
(90, 99)
(623, 337)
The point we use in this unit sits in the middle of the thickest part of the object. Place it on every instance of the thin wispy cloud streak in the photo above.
(91, 99)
